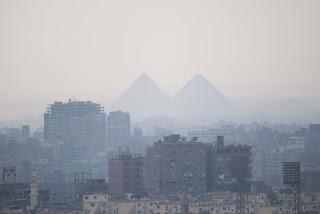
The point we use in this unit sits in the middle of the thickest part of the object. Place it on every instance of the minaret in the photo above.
(34, 190)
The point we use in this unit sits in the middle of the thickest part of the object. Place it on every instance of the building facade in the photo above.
(75, 122)
(232, 165)
(174, 165)
(312, 147)
(118, 128)
(126, 174)
(95, 203)
(9, 175)
(25, 132)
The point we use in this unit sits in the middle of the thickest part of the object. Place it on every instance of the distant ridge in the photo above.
(144, 98)
(198, 99)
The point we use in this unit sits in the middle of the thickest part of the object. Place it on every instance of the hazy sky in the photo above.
(52, 50)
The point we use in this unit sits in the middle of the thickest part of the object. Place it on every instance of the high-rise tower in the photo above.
(75, 122)
(118, 128)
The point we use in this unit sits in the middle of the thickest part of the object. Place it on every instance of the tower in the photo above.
(75, 122)
(25, 132)
(291, 179)
(118, 128)
(34, 190)
(126, 174)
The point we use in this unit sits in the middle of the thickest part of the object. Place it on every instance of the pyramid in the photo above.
(199, 99)
(144, 98)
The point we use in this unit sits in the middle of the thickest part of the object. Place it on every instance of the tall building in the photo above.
(25, 132)
(291, 178)
(13, 135)
(233, 166)
(137, 133)
(38, 135)
(312, 147)
(310, 179)
(272, 164)
(118, 128)
(175, 165)
(78, 122)
(3, 139)
(24, 175)
(34, 190)
(126, 174)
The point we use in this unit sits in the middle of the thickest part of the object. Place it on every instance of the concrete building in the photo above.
(209, 135)
(175, 165)
(13, 135)
(61, 194)
(24, 174)
(310, 202)
(299, 137)
(272, 168)
(76, 122)
(310, 179)
(9, 175)
(84, 184)
(38, 135)
(34, 190)
(204, 135)
(16, 197)
(233, 165)
(145, 206)
(272, 164)
(126, 174)
(137, 136)
(225, 203)
(25, 132)
(3, 139)
(118, 128)
(312, 147)
(215, 203)
(95, 203)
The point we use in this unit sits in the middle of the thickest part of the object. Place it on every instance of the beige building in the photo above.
(310, 203)
(144, 206)
(95, 203)
(216, 203)
(268, 210)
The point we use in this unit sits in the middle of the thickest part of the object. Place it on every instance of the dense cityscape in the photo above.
(84, 160)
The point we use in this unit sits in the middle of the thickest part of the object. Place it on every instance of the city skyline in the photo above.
(284, 109)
